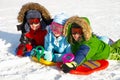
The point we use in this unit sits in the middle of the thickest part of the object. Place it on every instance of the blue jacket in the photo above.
(58, 46)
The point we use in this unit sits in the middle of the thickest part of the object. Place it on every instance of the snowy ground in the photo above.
(105, 20)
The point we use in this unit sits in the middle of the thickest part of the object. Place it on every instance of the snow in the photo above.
(105, 20)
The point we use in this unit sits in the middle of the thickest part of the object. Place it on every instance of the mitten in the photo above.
(20, 50)
(48, 55)
(68, 66)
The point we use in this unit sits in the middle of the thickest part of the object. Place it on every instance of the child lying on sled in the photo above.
(84, 45)
(55, 43)
(33, 18)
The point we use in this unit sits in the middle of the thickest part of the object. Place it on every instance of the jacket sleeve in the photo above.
(25, 40)
(68, 48)
(64, 46)
(47, 43)
(81, 54)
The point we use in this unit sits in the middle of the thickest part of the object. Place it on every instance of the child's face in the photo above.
(34, 23)
(57, 29)
(76, 33)
(35, 26)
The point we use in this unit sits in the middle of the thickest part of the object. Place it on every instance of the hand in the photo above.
(20, 51)
(48, 55)
(68, 66)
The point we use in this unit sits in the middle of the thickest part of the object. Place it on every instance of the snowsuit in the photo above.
(90, 47)
(57, 46)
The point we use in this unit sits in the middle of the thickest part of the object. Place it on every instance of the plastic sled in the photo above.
(82, 70)
(43, 61)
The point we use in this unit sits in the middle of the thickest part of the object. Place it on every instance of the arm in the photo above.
(48, 43)
(48, 48)
(81, 54)
(24, 47)
(24, 39)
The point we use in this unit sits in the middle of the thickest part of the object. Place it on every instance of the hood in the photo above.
(33, 6)
(83, 22)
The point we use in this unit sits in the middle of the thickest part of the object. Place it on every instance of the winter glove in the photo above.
(23, 49)
(68, 66)
(20, 50)
(48, 55)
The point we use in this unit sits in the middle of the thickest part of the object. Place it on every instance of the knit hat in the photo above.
(33, 14)
(60, 18)
(58, 23)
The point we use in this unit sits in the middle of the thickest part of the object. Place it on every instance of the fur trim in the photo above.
(34, 6)
(80, 21)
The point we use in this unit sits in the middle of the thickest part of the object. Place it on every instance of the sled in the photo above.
(84, 70)
(43, 61)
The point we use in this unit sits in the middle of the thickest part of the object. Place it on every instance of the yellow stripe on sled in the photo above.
(44, 62)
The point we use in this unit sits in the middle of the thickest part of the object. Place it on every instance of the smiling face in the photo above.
(76, 33)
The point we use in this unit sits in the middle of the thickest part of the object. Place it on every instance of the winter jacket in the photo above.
(30, 38)
(90, 47)
(58, 46)
(37, 36)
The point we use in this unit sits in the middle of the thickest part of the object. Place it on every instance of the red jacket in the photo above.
(37, 36)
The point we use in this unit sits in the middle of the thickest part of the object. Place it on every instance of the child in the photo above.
(33, 18)
(85, 45)
(55, 42)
